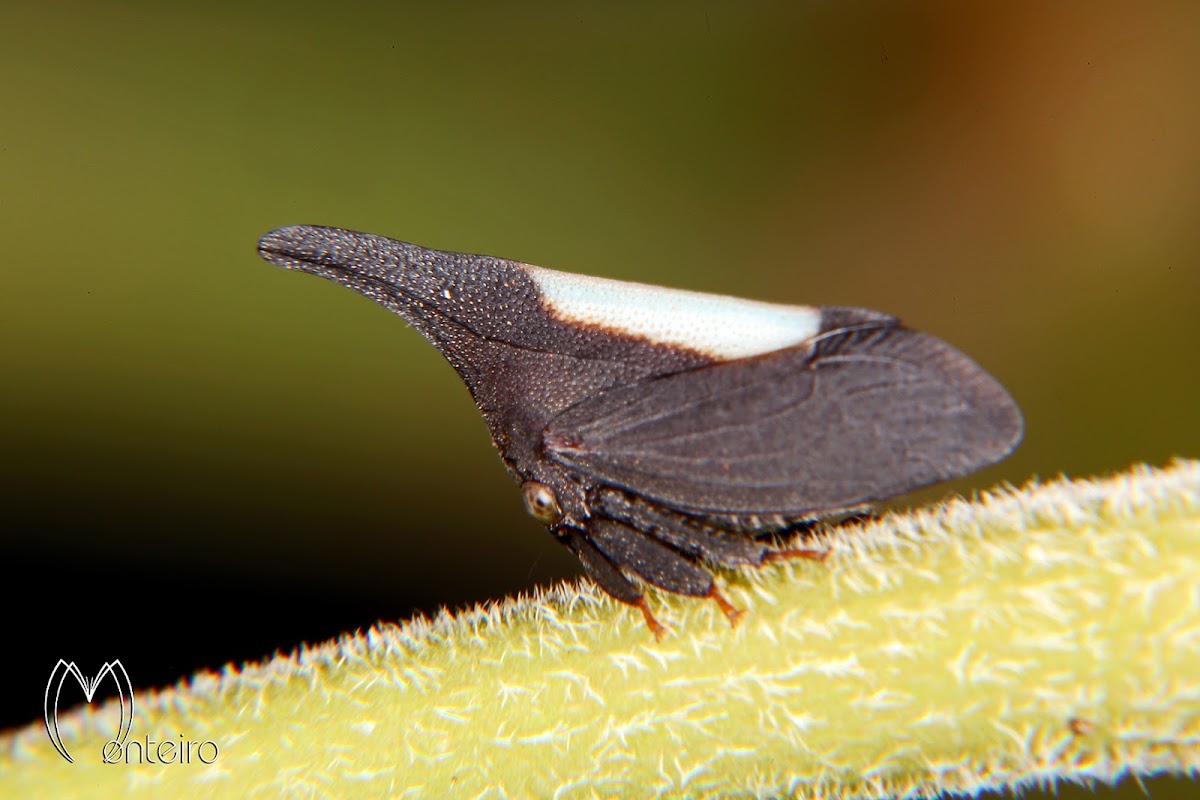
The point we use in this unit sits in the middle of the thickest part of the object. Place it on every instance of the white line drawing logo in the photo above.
(54, 687)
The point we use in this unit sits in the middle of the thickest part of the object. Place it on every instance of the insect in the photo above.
(657, 430)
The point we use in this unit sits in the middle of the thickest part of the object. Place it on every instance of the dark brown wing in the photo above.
(858, 415)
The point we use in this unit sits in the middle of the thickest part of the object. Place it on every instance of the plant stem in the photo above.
(1044, 634)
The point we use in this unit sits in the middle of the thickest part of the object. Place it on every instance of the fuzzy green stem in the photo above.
(1050, 633)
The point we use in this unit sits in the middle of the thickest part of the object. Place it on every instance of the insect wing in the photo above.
(854, 416)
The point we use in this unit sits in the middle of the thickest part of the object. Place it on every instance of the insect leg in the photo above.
(650, 560)
(804, 527)
(658, 564)
(676, 530)
(733, 614)
(606, 575)
(810, 553)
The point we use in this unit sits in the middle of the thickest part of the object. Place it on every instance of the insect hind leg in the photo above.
(808, 553)
(806, 529)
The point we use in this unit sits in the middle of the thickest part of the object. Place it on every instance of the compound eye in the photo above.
(540, 501)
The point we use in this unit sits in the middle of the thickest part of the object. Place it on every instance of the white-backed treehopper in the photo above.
(654, 429)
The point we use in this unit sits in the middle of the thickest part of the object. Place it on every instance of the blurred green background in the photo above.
(206, 458)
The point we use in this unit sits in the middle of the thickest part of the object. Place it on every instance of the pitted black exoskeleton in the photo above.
(654, 429)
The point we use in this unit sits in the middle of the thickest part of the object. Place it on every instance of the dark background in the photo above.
(204, 459)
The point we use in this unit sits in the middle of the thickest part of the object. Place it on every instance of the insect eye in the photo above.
(540, 501)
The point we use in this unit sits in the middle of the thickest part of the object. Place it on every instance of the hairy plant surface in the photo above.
(1028, 636)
